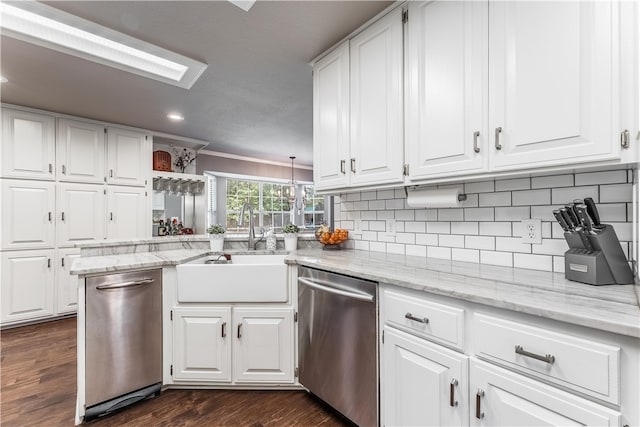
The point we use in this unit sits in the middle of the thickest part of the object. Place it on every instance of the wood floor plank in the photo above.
(38, 388)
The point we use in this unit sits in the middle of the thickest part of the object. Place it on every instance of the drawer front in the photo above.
(585, 366)
(435, 321)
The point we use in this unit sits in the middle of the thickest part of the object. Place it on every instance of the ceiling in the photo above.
(254, 99)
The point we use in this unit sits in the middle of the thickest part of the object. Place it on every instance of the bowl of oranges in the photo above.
(331, 239)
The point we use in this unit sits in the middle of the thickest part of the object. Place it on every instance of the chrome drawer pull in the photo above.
(479, 395)
(239, 330)
(343, 167)
(452, 401)
(131, 284)
(476, 148)
(416, 319)
(548, 358)
(224, 329)
(497, 137)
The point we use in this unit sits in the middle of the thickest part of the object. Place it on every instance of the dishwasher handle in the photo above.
(131, 284)
(353, 295)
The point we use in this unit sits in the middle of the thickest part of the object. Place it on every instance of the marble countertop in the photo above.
(612, 308)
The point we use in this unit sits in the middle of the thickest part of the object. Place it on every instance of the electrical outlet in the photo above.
(391, 227)
(532, 231)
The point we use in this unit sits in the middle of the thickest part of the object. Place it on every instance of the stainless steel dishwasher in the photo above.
(337, 342)
(123, 340)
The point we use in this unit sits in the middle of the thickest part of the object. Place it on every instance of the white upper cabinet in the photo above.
(129, 157)
(553, 83)
(127, 213)
(28, 145)
(80, 213)
(331, 119)
(81, 151)
(447, 89)
(377, 134)
(27, 214)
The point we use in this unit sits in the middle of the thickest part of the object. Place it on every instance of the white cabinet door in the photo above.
(331, 119)
(202, 344)
(503, 398)
(27, 214)
(377, 139)
(129, 157)
(66, 283)
(447, 88)
(423, 383)
(630, 80)
(27, 285)
(28, 145)
(81, 151)
(80, 213)
(553, 80)
(263, 345)
(127, 214)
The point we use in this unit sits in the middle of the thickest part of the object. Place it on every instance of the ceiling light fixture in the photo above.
(45, 26)
(176, 117)
(243, 4)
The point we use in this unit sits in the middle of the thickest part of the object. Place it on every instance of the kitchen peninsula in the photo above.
(597, 326)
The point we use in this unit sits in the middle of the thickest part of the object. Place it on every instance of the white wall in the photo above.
(487, 228)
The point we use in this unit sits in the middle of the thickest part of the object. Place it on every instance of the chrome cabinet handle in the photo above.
(131, 284)
(64, 170)
(50, 168)
(416, 319)
(624, 138)
(239, 330)
(224, 329)
(497, 136)
(353, 165)
(452, 401)
(343, 166)
(547, 358)
(49, 216)
(476, 135)
(48, 262)
(479, 395)
(62, 216)
(110, 173)
(62, 262)
(111, 216)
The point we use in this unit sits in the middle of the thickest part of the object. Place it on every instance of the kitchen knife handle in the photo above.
(561, 220)
(584, 218)
(592, 210)
(573, 216)
(476, 135)
(564, 213)
(497, 137)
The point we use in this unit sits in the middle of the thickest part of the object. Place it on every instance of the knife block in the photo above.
(605, 265)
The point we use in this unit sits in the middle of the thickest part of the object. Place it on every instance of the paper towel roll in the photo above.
(441, 198)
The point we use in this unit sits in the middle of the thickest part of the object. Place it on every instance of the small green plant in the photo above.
(290, 229)
(216, 229)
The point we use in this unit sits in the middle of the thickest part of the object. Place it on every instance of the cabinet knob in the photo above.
(497, 137)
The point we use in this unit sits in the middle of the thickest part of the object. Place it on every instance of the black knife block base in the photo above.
(587, 267)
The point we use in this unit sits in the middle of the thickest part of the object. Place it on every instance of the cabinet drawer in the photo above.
(582, 365)
(435, 321)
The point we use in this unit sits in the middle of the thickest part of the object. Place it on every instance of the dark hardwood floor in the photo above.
(38, 388)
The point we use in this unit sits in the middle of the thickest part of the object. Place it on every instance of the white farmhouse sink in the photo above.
(248, 278)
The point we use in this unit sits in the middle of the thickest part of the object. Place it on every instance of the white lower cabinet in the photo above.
(80, 213)
(424, 383)
(503, 398)
(66, 283)
(256, 347)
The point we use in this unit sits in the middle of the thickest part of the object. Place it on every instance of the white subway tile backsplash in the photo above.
(450, 214)
(370, 235)
(415, 227)
(550, 247)
(426, 214)
(394, 204)
(479, 214)
(596, 178)
(470, 227)
(361, 245)
(439, 227)
(399, 193)
(512, 244)
(534, 262)
(386, 194)
(512, 214)
(479, 187)
(495, 199)
(553, 181)
(406, 238)
(353, 197)
(504, 259)
(386, 237)
(361, 206)
(427, 239)
(546, 229)
(405, 215)
(400, 226)
(471, 202)
(382, 215)
(377, 247)
(377, 205)
(438, 252)
(466, 255)
(414, 250)
(377, 226)
(615, 193)
(347, 224)
(558, 264)
(513, 184)
(368, 195)
(368, 215)
(616, 212)
(495, 228)
(480, 242)
(562, 196)
(624, 230)
(544, 213)
(451, 240)
(532, 197)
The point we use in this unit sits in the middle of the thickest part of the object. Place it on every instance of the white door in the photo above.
(81, 150)
(28, 145)
(80, 213)
(27, 284)
(376, 85)
(127, 213)
(552, 83)
(503, 398)
(422, 383)
(66, 283)
(263, 345)
(331, 120)
(447, 88)
(27, 214)
(129, 157)
(202, 344)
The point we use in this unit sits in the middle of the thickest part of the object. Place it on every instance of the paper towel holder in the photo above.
(461, 197)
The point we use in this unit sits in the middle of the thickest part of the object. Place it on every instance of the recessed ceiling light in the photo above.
(175, 117)
(52, 28)
(3, 79)
(243, 4)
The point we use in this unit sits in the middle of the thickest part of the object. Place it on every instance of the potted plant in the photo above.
(290, 236)
(216, 237)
